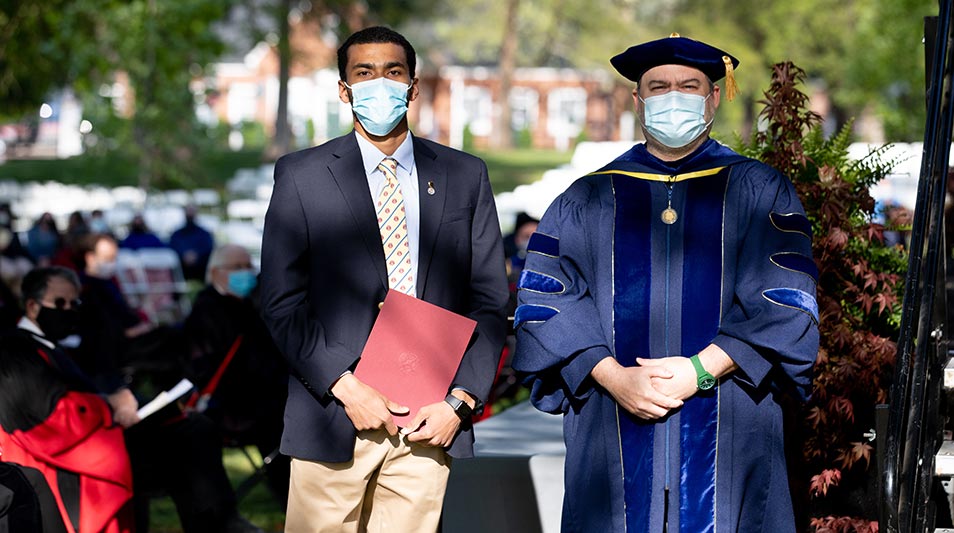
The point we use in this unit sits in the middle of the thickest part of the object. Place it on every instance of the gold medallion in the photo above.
(669, 216)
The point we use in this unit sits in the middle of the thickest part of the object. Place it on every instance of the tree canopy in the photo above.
(867, 55)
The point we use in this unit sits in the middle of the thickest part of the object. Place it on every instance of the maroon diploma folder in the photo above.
(413, 352)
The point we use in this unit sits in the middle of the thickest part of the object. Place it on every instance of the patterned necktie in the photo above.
(392, 221)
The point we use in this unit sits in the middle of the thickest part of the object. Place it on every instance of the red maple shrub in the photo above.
(859, 294)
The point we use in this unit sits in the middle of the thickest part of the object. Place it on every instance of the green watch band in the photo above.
(704, 380)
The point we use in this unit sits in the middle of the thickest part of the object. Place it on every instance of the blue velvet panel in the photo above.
(793, 222)
(538, 282)
(533, 313)
(795, 299)
(797, 262)
(632, 260)
(541, 243)
(701, 311)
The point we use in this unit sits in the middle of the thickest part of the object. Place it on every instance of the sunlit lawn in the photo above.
(258, 506)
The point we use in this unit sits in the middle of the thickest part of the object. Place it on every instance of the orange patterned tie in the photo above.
(392, 221)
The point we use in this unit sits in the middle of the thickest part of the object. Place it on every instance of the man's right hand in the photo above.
(366, 407)
(632, 388)
(125, 407)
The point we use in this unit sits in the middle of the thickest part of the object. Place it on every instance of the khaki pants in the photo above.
(390, 486)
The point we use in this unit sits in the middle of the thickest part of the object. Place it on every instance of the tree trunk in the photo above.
(281, 141)
(502, 136)
(145, 99)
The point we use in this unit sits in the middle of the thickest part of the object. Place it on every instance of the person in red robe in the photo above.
(52, 419)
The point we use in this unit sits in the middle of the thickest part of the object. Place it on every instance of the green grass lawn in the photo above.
(507, 169)
(257, 507)
(215, 169)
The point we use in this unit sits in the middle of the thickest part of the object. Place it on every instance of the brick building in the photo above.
(551, 107)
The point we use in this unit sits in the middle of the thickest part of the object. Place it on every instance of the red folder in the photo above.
(413, 352)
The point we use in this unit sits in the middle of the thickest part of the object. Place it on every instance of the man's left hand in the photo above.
(683, 383)
(436, 424)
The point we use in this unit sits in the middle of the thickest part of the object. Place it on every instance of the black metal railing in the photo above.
(914, 426)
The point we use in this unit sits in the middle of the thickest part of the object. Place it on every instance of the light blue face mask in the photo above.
(241, 282)
(675, 119)
(380, 104)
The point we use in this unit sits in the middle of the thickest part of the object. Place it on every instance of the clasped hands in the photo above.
(434, 425)
(657, 386)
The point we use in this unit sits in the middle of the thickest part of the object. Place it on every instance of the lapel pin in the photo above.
(430, 188)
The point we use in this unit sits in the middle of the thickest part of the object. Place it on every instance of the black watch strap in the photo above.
(461, 409)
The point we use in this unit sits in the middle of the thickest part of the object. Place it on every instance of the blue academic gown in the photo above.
(606, 277)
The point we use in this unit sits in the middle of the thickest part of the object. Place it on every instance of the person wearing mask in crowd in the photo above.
(140, 236)
(193, 244)
(240, 374)
(76, 230)
(324, 272)
(522, 230)
(76, 226)
(179, 454)
(53, 418)
(43, 240)
(667, 305)
(97, 222)
(108, 322)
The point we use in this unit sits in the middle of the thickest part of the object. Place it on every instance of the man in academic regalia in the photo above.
(668, 300)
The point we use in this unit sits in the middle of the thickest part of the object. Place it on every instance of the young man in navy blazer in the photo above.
(324, 275)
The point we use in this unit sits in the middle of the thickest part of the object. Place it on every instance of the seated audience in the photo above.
(97, 222)
(51, 416)
(172, 452)
(43, 240)
(140, 236)
(236, 362)
(193, 244)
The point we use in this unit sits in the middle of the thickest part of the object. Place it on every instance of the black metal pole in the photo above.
(905, 506)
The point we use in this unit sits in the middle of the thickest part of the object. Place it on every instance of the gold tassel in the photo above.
(673, 34)
(731, 88)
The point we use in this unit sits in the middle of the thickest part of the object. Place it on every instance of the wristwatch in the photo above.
(461, 409)
(704, 380)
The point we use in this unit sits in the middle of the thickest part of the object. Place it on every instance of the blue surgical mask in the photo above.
(675, 119)
(241, 282)
(106, 270)
(380, 104)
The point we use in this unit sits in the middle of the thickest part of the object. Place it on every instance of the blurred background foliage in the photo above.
(867, 56)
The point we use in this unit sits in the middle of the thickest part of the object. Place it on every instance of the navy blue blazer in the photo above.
(323, 276)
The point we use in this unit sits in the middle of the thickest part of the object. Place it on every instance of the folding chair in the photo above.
(165, 286)
(131, 278)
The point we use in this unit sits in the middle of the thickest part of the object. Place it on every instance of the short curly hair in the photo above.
(376, 34)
